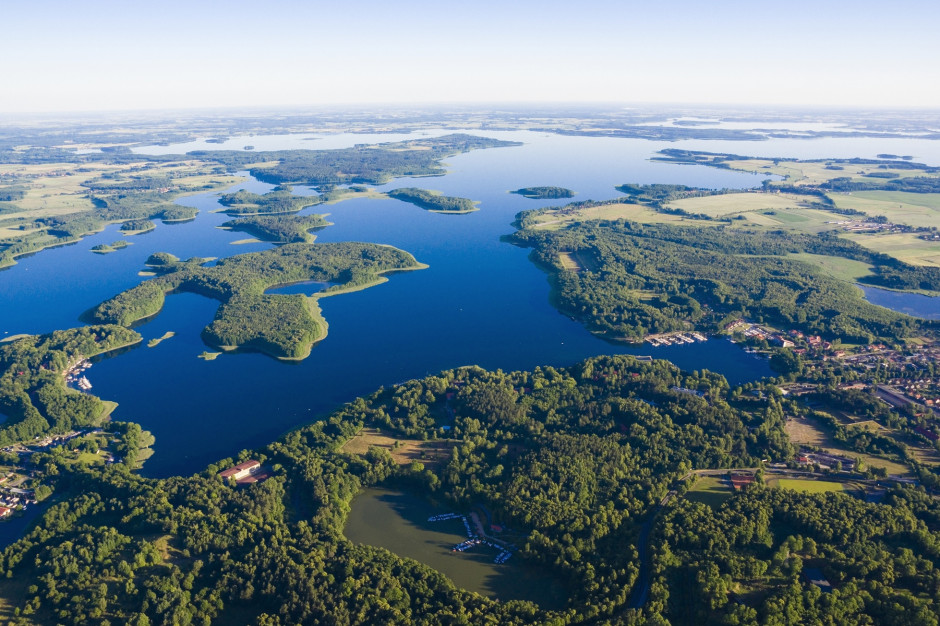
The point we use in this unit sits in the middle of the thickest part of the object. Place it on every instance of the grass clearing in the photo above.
(568, 262)
(555, 220)
(709, 490)
(837, 267)
(805, 432)
(806, 486)
(403, 451)
(906, 247)
(735, 203)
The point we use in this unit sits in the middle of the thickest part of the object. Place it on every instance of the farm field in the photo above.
(907, 247)
(734, 203)
(913, 209)
(555, 220)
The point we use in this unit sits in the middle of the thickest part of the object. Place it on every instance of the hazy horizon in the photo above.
(104, 55)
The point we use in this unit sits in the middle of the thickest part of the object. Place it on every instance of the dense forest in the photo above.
(281, 199)
(544, 193)
(33, 394)
(432, 200)
(280, 228)
(577, 458)
(637, 279)
(280, 325)
(878, 562)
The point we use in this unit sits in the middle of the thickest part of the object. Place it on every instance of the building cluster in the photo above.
(825, 460)
(855, 226)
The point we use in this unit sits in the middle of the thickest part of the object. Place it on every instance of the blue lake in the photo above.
(915, 304)
(481, 301)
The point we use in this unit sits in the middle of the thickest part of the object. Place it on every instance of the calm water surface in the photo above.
(481, 301)
(915, 304)
(397, 521)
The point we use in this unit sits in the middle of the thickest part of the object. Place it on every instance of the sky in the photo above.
(96, 55)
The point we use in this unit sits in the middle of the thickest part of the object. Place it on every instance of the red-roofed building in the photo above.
(5, 511)
(241, 471)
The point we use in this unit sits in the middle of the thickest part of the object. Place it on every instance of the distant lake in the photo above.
(481, 301)
(914, 304)
(397, 521)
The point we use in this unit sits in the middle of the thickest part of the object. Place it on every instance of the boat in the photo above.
(84, 384)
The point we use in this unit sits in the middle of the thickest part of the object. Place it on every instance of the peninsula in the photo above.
(283, 326)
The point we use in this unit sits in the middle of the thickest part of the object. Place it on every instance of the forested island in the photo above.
(281, 199)
(433, 201)
(280, 228)
(544, 193)
(283, 326)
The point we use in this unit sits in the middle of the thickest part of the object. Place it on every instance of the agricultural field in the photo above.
(55, 189)
(731, 204)
(813, 173)
(556, 220)
(907, 247)
(913, 209)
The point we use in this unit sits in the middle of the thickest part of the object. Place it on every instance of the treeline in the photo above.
(279, 325)
(544, 193)
(280, 228)
(701, 276)
(910, 184)
(373, 164)
(33, 394)
(433, 201)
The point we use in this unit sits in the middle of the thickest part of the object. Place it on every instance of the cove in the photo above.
(397, 521)
(914, 304)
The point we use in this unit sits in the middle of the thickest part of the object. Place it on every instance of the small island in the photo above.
(433, 201)
(114, 246)
(284, 326)
(280, 228)
(178, 213)
(544, 193)
(137, 227)
(281, 199)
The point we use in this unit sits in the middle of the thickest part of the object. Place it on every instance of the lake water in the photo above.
(481, 301)
(915, 304)
(397, 521)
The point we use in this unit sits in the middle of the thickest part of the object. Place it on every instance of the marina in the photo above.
(675, 338)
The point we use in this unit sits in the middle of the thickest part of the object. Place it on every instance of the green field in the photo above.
(806, 486)
(558, 219)
(837, 267)
(904, 246)
(733, 203)
(710, 490)
(913, 209)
